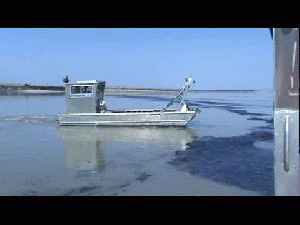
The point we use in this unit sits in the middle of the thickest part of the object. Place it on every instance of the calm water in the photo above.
(226, 150)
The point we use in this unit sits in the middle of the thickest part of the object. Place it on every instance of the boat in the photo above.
(85, 105)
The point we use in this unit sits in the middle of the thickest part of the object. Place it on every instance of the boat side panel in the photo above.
(127, 119)
(80, 104)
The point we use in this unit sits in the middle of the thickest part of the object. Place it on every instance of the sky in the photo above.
(217, 58)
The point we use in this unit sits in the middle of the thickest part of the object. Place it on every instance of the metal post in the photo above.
(286, 115)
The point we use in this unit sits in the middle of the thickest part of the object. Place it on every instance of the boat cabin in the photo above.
(85, 96)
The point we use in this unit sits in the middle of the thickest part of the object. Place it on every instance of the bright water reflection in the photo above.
(89, 148)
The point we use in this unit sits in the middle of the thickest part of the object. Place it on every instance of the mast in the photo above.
(182, 93)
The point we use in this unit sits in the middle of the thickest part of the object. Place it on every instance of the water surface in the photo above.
(226, 150)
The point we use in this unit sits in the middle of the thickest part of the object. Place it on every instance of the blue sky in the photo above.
(217, 58)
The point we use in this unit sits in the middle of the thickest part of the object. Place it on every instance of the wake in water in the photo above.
(30, 119)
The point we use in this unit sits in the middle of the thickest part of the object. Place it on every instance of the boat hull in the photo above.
(129, 118)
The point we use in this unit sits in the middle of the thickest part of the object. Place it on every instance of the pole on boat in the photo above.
(183, 92)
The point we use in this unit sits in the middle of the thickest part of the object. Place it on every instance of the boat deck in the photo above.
(139, 111)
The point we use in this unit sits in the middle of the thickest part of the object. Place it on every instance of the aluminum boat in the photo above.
(86, 106)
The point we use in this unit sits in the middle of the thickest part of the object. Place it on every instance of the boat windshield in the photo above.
(81, 89)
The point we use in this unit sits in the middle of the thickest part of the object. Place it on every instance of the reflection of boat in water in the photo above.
(86, 146)
(86, 106)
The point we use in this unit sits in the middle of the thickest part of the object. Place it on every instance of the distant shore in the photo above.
(28, 89)
(19, 89)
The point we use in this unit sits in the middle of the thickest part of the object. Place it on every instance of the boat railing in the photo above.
(138, 111)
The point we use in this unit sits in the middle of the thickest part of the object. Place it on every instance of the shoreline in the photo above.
(60, 90)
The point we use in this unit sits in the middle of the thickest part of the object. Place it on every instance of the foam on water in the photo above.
(31, 119)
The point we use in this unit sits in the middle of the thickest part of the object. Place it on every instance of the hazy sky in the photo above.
(216, 58)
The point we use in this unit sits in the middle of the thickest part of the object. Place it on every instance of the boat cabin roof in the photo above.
(86, 82)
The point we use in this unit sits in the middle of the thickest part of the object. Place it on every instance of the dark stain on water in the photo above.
(237, 108)
(231, 160)
(230, 107)
(83, 173)
(143, 176)
(268, 121)
(81, 190)
(31, 193)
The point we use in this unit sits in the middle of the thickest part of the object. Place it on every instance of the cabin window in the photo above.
(86, 89)
(75, 90)
(81, 89)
